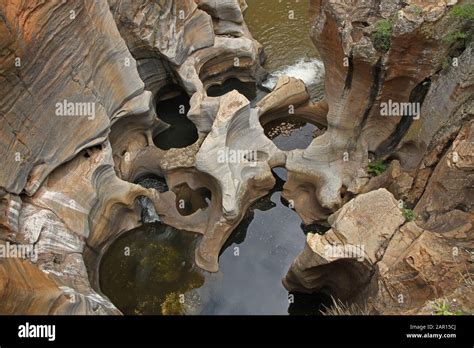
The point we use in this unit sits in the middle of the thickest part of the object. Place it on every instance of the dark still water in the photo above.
(151, 270)
(182, 131)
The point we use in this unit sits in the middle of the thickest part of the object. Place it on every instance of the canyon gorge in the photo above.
(203, 157)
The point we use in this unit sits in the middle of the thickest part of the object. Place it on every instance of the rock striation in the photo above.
(418, 262)
(79, 110)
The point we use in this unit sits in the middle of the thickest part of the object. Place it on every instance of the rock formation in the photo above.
(409, 266)
(70, 202)
(80, 82)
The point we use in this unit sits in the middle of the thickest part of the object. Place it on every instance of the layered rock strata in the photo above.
(418, 262)
(87, 76)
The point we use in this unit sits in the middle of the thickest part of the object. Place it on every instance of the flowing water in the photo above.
(283, 28)
(151, 269)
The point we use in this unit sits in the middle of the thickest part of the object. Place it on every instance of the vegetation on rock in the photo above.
(465, 11)
(443, 307)
(408, 214)
(381, 38)
(376, 167)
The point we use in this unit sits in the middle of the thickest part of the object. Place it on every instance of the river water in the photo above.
(283, 28)
(151, 270)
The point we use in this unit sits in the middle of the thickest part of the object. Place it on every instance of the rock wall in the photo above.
(360, 77)
(70, 202)
(71, 55)
(80, 85)
(66, 185)
(416, 263)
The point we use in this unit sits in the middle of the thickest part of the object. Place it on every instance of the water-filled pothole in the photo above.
(146, 270)
(188, 201)
(151, 270)
(248, 89)
(290, 133)
(172, 107)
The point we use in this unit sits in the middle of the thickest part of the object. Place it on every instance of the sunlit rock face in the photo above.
(78, 122)
(373, 257)
(75, 55)
(64, 83)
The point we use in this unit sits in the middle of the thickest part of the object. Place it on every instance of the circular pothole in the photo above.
(188, 201)
(151, 269)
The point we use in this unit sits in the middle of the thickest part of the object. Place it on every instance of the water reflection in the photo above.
(147, 269)
(291, 133)
(151, 270)
(182, 132)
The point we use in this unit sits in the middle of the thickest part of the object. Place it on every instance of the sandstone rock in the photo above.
(395, 268)
(359, 78)
(27, 290)
(342, 261)
(418, 266)
(225, 9)
(50, 72)
(74, 199)
(235, 154)
(394, 179)
(177, 41)
(446, 106)
(450, 185)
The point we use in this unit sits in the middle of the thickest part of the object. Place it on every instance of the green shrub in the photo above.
(382, 35)
(463, 11)
(456, 36)
(442, 307)
(408, 214)
(376, 167)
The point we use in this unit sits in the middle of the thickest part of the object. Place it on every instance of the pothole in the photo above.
(172, 107)
(147, 269)
(188, 201)
(151, 269)
(248, 89)
(290, 133)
